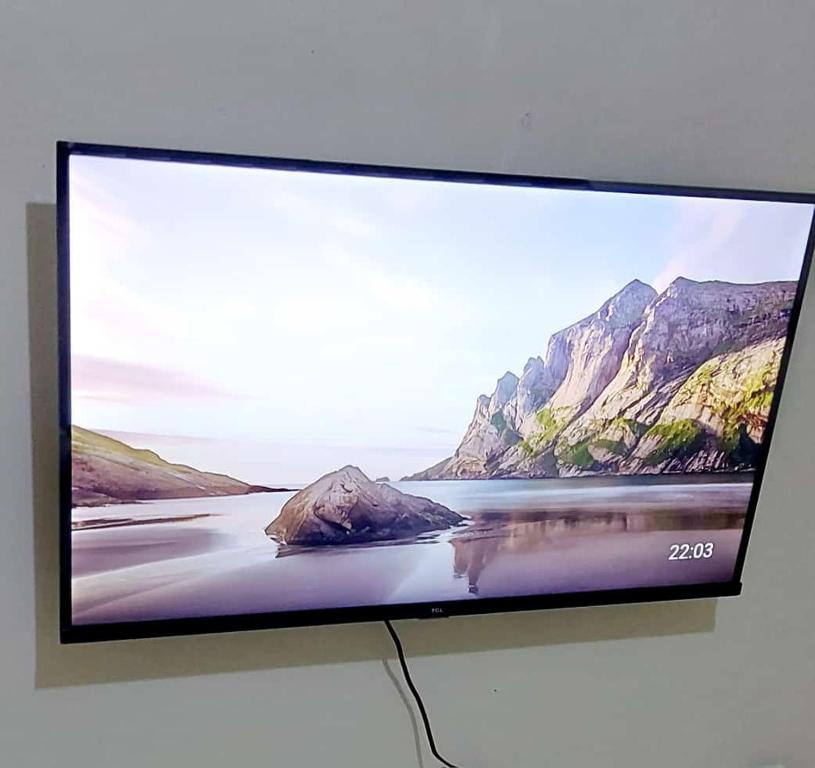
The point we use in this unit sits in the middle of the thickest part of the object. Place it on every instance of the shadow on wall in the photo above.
(58, 665)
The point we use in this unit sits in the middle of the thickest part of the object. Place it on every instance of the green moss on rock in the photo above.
(550, 424)
(677, 440)
(617, 447)
(578, 455)
(499, 421)
(637, 428)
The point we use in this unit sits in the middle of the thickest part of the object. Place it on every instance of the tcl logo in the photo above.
(436, 611)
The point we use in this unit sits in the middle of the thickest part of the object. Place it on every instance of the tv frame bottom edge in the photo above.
(153, 628)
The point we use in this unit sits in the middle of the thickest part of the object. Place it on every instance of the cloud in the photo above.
(391, 289)
(352, 224)
(313, 211)
(699, 240)
(438, 431)
(98, 215)
(358, 303)
(96, 378)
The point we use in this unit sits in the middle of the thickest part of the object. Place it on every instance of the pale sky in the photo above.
(276, 325)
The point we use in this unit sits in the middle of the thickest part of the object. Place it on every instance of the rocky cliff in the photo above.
(345, 507)
(680, 381)
(108, 471)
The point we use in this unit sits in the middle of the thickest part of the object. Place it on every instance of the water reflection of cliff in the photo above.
(492, 537)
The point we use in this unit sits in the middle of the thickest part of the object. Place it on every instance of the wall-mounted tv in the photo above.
(298, 392)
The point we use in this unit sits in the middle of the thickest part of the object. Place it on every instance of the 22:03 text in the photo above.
(702, 550)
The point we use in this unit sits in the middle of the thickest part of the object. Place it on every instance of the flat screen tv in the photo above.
(299, 392)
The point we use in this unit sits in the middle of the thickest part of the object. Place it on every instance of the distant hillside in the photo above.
(680, 381)
(108, 471)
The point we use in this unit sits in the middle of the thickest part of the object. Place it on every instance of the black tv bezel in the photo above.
(77, 633)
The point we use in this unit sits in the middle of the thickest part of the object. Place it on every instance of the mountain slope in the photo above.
(580, 360)
(680, 381)
(108, 471)
(716, 418)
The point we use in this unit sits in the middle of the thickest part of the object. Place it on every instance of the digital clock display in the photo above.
(701, 550)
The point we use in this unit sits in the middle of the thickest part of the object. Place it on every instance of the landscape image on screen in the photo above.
(296, 390)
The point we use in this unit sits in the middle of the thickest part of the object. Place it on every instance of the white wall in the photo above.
(719, 93)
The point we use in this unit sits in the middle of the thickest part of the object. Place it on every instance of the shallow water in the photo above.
(522, 537)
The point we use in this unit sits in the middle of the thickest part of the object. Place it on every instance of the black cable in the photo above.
(400, 652)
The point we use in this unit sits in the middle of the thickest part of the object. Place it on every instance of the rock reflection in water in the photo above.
(493, 536)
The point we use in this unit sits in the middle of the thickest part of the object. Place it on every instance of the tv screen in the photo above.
(298, 392)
